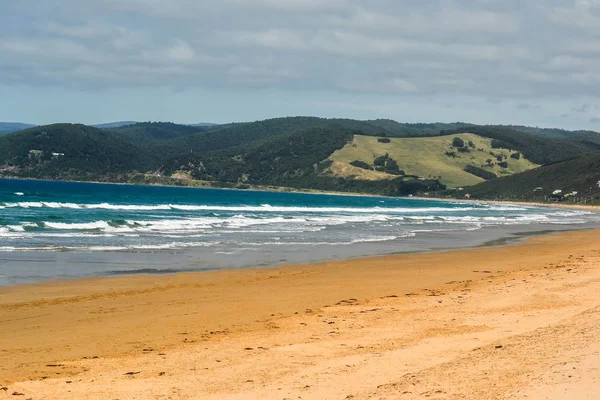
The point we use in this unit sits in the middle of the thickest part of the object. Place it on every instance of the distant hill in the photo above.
(397, 129)
(155, 130)
(379, 156)
(297, 159)
(110, 125)
(9, 127)
(549, 132)
(203, 124)
(538, 149)
(581, 174)
(69, 151)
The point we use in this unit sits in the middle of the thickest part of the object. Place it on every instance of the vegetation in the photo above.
(537, 149)
(430, 157)
(458, 142)
(379, 156)
(387, 164)
(293, 160)
(143, 131)
(81, 151)
(401, 130)
(361, 164)
(580, 175)
(480, 172)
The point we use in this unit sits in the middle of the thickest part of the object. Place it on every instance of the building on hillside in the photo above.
(35, 153)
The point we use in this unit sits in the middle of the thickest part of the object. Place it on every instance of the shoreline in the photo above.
(508, 239)
(251, 188)
(120, 318)
(519, 203)
(286, 189)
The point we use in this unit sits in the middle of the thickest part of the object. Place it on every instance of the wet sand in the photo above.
(520, 321)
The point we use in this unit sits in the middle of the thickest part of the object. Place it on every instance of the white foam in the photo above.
(261, 208)
(379, 238)
(78, 226)
(19, 194)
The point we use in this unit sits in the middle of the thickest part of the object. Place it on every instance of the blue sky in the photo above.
(530, 62)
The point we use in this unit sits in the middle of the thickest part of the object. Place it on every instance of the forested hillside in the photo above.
(146, 131)
(391, 158)
(297, 159)
(577, 180)
(68, 151)
(538, 149)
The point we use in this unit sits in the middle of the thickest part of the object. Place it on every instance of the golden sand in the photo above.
(520, 321)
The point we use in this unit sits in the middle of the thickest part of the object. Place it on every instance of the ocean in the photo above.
(61, 230)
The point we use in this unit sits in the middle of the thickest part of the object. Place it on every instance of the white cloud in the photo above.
(495, 49)
(291, 5)
(180, 52)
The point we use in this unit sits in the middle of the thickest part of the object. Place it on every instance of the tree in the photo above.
(458, 142)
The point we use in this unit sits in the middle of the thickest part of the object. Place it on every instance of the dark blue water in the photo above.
(215, 228)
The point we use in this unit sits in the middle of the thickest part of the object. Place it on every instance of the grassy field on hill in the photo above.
(430, 157)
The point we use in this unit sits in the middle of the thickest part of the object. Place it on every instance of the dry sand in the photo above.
(514, 322)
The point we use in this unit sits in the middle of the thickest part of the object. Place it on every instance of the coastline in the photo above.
(193, 184)
(122, 322)
(519, 203)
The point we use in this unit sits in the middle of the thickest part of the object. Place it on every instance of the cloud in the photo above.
(491, 49)
(291, 5)
(180, 52)
(528, 106)
(582, 108)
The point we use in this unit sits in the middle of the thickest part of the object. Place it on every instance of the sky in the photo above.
(529, 62)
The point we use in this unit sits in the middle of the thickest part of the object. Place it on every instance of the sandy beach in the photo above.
(512, 322)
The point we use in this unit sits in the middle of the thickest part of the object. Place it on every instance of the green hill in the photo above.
(155, 130)
(397, 129)
(379, 156)
(434, 157)
(233, 138)
(580, 175)
(69, 151)
(297, 159)
(540, 150)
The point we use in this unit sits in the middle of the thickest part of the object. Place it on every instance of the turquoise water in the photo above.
(229, 228)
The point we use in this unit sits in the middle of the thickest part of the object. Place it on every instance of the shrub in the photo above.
(458, 142)
(516, 156)
(360, 164)
(380, 161)
(388, 165)
(391, 167)
(383, 140)
(482, 173)
(503, 164)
